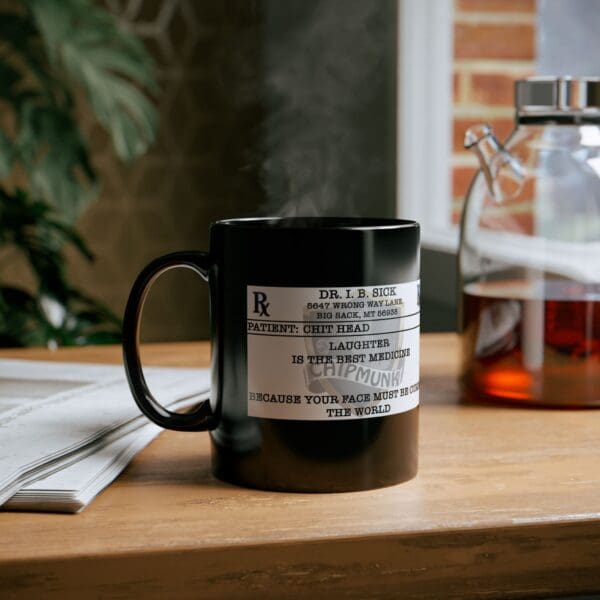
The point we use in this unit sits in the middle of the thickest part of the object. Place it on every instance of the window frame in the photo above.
(424, 122)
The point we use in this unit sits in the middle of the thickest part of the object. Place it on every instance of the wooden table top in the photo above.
(506, 504)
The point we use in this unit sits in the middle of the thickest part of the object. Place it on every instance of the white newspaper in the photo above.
(67, 429)
(74, 486)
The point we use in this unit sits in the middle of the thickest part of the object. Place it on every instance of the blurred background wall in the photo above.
(266, 107)
(209, 57)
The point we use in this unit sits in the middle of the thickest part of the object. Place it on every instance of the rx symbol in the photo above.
(261, 304)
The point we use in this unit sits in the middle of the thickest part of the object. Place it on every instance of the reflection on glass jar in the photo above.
(530, 251)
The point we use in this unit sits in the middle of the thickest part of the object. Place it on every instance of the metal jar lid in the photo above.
(558, 99)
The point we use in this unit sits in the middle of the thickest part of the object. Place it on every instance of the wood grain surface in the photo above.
(506, 505)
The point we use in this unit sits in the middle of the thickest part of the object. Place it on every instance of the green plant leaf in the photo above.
(87, 44)
(50, 50)
(56, 157)
(9, 77)
(32, 227)
(19, 33)
(21, 321)
(70, 235)
(6, 155)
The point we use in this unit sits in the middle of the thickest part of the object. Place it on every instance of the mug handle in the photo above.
(202, 418)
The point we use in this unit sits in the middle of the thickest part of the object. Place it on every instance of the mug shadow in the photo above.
(440, 389)
(165, 469)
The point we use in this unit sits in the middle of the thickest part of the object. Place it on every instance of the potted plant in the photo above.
(56, 57)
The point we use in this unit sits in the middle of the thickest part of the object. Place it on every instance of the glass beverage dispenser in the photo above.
(530, 251)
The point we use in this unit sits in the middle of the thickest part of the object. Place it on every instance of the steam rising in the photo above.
(330, 115)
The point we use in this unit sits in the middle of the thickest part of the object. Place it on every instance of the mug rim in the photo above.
(320, 223)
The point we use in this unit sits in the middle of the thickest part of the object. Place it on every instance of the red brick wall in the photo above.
(494, 44)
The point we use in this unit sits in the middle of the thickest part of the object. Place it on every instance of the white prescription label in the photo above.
(333, 353)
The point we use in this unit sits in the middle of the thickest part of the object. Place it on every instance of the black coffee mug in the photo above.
(315, 352)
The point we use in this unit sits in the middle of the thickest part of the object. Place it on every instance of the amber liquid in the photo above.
(532, 350)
